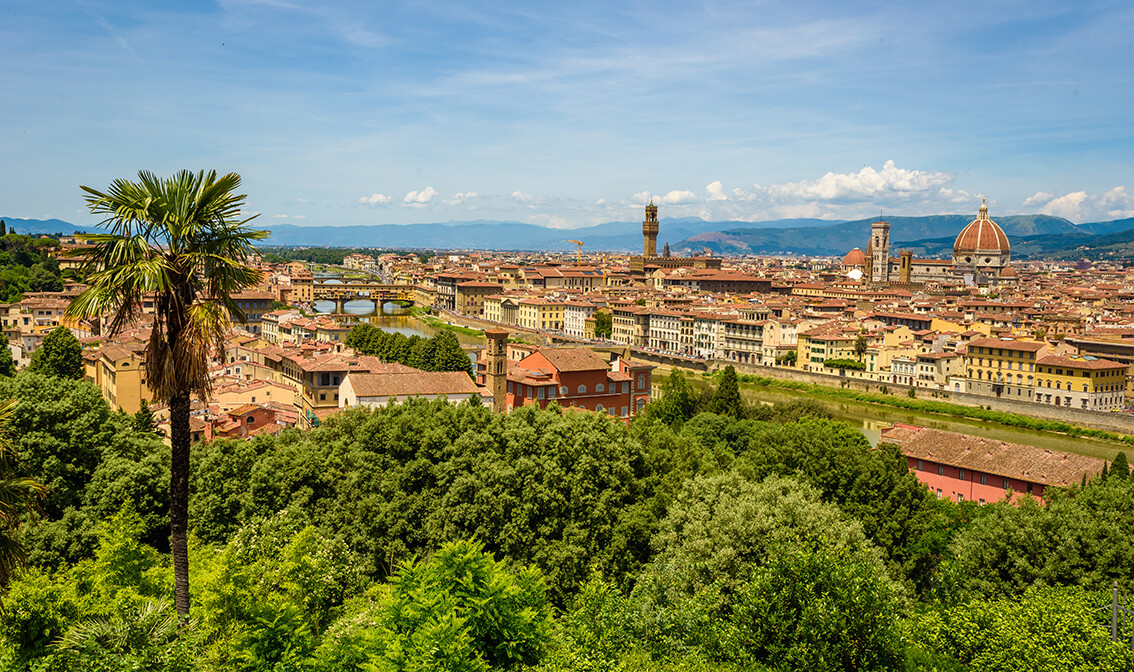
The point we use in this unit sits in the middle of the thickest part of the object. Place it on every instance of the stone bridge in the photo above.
(352, 289)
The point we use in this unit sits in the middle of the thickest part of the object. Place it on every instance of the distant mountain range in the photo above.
(842, 237)
(930, 236)
(476, 235)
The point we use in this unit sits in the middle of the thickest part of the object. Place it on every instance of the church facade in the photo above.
(981, 256)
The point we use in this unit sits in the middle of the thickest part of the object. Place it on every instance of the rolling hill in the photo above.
(842, 237)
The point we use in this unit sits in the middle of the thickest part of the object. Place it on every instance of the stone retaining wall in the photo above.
(1109, 421)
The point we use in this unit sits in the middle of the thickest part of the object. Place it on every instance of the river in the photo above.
(870, 419)
(393, 317)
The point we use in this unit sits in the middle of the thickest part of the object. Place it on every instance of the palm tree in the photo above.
(19, 497)
(181, 239)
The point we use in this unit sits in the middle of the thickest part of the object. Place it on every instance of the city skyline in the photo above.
(567, 116)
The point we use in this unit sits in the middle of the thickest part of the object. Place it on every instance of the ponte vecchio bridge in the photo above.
(341, 290)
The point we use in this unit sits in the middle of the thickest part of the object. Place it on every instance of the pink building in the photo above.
(972, 468)
(576, 378)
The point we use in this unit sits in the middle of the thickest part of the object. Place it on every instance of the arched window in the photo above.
(641, 404)
(599, 387)
(1058, 385)
(598, 408)
(563, 391)
(582, 389)
(1084, 387)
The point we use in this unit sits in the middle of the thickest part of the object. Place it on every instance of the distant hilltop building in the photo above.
(980, 257)
(650, 261)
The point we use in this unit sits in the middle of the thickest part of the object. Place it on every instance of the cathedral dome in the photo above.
(981, 236)
(1009, 272)
(854, 258)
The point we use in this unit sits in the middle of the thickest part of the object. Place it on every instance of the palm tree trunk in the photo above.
(179, 500)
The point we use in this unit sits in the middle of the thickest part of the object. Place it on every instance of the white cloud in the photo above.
(845, 195)
(1079, 206)
(715, 191)
(641, 198)
(420, 198)
(1039, 198)
(459, 198)
(527, 199)
(301, 200)
(868, 184)
(280, 216)
(375, 199)
(299, 216)
(676, 197)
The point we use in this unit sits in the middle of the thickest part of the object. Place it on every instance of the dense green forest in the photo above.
(428, 536)
(26, 265)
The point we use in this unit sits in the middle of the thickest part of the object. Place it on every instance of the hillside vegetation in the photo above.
(428, 536)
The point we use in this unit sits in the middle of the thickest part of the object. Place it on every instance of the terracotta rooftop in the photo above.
(574, 359)
(999, 458)
(421, 383)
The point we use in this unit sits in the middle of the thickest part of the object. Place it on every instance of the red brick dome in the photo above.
(854, 258)
(1009, 273)
(982, 235)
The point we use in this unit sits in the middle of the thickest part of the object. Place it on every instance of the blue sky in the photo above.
(570, 114)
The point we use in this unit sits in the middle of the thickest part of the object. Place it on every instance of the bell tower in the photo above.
(880, 246)
(496, 367)
(650, 231)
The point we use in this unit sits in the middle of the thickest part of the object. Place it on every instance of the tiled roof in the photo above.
(574, 359)
(1000, 458)
(421, 383)
(1079, 362)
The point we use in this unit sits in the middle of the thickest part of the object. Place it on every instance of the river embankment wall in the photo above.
(1122, 423)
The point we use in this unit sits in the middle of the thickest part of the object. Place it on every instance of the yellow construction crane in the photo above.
(579, 258)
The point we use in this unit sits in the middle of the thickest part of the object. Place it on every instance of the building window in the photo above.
(1029, 488)
(563, 390)
(940, 470)
(598, 408)
(541, 393)
(1005, 482)
(582, 389)
(961, 474)
(641, 381)
(599, 387)
(960, 498)
(920, 465)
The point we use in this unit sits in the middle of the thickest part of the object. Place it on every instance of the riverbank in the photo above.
(938, 407)
(871, 418)
(436, 323)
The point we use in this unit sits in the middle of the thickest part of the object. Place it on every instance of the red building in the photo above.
(576, 378)
(972, 468)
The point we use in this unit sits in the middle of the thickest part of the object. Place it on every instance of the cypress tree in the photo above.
(726, 399)
(1119, 468)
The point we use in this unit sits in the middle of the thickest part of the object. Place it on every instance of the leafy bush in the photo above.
(1047, 629)
(852, 364)
(817, 608)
